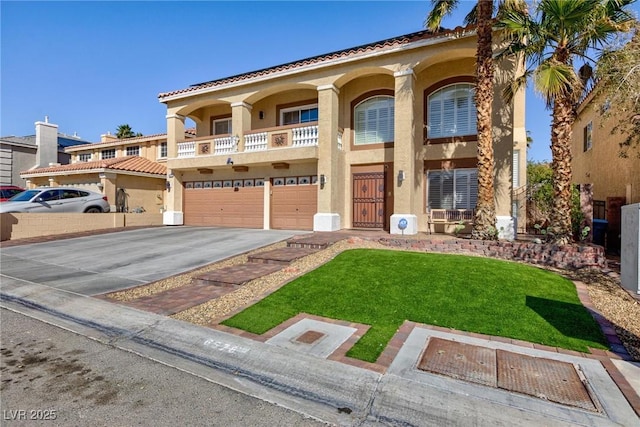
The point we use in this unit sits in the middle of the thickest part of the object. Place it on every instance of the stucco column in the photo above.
(329, 183)
(509, 133)
(175, 134)
(173, 214)
(108, 184)
(406, 183)
(240, 121)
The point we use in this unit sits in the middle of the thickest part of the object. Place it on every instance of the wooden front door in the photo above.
(368, 200)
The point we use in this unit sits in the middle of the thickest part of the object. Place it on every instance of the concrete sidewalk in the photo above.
(308, 382)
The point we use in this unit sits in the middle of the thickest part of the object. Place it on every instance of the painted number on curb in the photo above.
(222, 346)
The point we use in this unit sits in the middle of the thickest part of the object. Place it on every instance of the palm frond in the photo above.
(516, 85)
(439, 9)
(554, 79)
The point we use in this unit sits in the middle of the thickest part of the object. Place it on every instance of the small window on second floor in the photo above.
(588, 136)
(302, 114)
(108, 154)
(86, 157)
(133, 150)
(221, 127)
(162, 153)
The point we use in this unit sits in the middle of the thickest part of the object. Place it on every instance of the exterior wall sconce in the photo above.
(401, 176)
(261, 115)
(323, 180)
(229, 161)
(168, 184)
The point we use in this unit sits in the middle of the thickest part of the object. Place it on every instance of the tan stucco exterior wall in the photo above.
(148, 193)
(611, 175)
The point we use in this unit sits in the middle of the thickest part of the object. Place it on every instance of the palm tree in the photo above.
(552, 39)
(485, 218)
(125, 131)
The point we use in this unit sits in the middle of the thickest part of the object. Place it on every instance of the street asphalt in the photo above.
(309, 384)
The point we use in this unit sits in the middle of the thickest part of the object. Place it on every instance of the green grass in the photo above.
(384, 288)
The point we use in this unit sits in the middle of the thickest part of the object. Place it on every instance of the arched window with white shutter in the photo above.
(451, 111)
(373, 120)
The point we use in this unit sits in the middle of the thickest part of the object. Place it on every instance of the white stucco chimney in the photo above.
(47, 142)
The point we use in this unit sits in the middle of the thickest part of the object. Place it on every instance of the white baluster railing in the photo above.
(225, 145)
(305, 136)
(187, 149)
(255, 141)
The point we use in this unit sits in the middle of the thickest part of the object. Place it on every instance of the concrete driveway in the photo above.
(108, 262)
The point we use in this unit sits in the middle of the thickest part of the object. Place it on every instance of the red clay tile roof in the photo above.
(127, 164)
(370, 47)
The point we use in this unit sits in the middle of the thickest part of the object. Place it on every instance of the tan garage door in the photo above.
(226, 207)
(293, 204)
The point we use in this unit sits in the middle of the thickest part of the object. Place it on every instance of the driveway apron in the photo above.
(103, 263)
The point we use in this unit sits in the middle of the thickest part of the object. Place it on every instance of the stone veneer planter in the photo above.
(570, 257)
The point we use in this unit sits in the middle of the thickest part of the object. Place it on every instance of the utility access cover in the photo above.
(546, 379)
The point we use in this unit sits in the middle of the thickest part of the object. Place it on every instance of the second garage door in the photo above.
(294, 202)
(229, 207)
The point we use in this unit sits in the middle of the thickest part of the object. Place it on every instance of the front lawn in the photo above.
(384, 288)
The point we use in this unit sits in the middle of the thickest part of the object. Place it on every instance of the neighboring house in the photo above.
(370, 137)
(47, 146)
(131, 172)
(595, 160)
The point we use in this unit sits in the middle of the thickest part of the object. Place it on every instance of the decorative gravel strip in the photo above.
(620, 308)
(185, 278)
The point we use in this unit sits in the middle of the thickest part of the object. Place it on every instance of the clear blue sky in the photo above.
(91, 66)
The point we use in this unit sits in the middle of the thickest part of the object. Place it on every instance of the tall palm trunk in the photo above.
(485, 219)
(563, 119)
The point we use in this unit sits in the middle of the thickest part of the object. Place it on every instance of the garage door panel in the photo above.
(224, 207)
(293, 207)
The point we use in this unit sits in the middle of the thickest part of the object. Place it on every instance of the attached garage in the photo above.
(294, 202)
(224, 205)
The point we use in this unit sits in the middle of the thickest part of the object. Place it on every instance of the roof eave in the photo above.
(454, 35)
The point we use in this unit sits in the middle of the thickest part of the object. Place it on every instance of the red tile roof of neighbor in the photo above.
(126, 164)
(370, 47)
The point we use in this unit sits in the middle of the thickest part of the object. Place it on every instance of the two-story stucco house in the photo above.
(131, 172)
(369, 137)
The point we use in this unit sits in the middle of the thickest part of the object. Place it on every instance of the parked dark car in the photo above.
(56, 199)
(8, 191)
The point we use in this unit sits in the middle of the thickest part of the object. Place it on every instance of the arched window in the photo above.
(374, 120)
(452, 111)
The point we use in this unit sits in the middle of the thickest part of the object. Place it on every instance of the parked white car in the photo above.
(56, 199)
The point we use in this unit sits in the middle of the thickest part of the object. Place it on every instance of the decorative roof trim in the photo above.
(383, 47)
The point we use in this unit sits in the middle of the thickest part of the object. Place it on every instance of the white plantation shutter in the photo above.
(452, 189)
(374, 120)
(452, 111)
(434, 199)
(447, 183)
(516, 169)
(435, 117)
